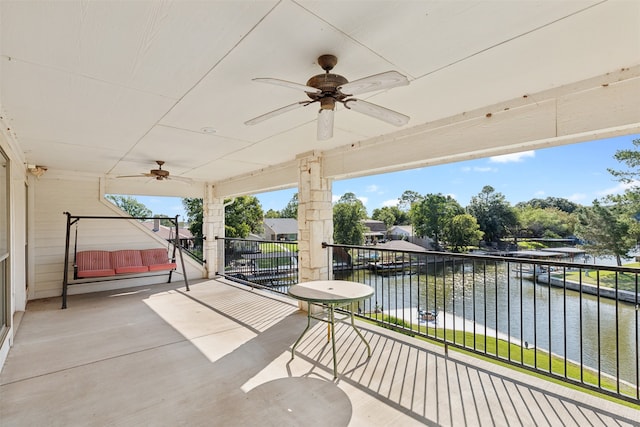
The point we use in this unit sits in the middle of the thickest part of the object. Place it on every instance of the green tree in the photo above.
(494, 214)
(432, 214)
(463, 231)
(272, 214)
(243, 216)
(551, 202)
(628, 203)
(347, 225)
(130, 205)
(604, 231)
(291, 210)
(384, 214)
(407, 199)
(544, 222)
(630, 158)
(193, 209)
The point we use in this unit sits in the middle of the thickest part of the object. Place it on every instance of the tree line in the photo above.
(610, 226)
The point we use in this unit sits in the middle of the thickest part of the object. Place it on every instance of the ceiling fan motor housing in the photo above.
(160, 172)
(327, 83)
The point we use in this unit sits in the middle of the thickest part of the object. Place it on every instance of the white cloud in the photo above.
(539, 193)
(364, 200)
(335, 198)
(481, 169)
(512, 158)
(390, 202)
(618, 189)
(372, 188)
(577, 197)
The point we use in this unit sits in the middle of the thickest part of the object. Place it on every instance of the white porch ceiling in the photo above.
(105, 88)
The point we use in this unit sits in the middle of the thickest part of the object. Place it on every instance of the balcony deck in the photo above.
(220, 355)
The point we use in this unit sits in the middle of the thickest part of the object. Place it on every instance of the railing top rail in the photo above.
(238, 239)
(487, 257)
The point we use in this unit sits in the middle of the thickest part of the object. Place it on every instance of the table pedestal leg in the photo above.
(333, 340)
(293, 349)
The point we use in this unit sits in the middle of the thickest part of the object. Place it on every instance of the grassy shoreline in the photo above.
(626, 281)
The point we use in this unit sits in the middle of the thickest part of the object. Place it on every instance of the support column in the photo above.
(212, 226)
(315, 219)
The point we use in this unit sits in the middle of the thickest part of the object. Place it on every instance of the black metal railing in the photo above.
(569, 320)
(572, 321)
(264, 263)
(194, 247)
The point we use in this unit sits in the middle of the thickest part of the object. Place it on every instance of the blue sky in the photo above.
(577, 172)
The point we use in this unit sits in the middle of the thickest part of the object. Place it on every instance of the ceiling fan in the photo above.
(159, 174)
(329, 89)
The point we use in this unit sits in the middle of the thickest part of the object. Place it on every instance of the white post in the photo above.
(212, 226)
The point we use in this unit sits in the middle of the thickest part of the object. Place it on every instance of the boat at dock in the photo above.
(394, 267)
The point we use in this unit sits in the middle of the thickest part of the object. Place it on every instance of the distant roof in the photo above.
(282, 225)
(375, 225)
(405, 228)
(167, 233)
(400, 245)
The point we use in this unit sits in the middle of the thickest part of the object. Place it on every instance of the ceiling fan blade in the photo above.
(277, 112)
(325, 124)
(179, 179)
(375, 82)
(376, 111)
(140, 175)
(288, 84)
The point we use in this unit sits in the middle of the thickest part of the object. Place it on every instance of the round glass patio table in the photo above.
(331, 294)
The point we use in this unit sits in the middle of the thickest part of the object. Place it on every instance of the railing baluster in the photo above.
(508, 267)
(564, 318)
(484, 300)
(522, 341)
(473, 301)
(637, 344)
(599, 342)
(535, 323)
(617, 342)
(581, 331)
(549, 333)
(496, 307)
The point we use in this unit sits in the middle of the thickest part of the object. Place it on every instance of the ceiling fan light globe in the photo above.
(327, 103)
(325, 125)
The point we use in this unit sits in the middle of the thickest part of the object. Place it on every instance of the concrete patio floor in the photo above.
(219, 355)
